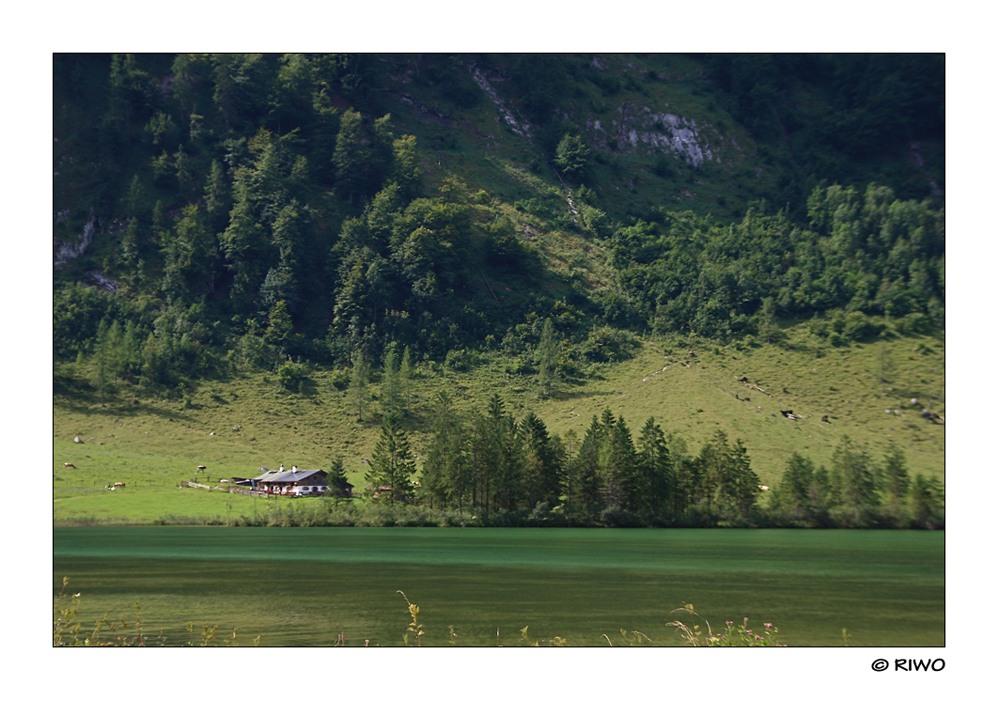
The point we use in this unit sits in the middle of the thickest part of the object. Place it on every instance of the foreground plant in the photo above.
(67, 629)
(733, 636)
(414, 626)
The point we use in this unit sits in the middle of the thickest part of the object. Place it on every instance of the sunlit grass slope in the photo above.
(692, 389)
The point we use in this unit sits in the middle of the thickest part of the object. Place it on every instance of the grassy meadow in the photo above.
(152, 443)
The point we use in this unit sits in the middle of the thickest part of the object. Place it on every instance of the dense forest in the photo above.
(250, 209)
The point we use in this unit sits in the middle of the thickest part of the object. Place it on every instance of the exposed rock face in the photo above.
(102, 281)
(642, 129)
(519, 127)
(68, 250)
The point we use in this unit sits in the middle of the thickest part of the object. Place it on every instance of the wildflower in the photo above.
(768, 625)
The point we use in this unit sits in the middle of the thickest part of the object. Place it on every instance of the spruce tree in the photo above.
(336, 479)
(446, 472)
(795, 488)
(655, 477)
(390, 381)
(541, 469)
(856, 480)
(896, 476)
(405, 377)
(392, 463)
(547, 357)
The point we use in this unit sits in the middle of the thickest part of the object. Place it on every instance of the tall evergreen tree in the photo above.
(352, 156)
(547, 357)
(446, 475)
(656, 479)
(541, 467)
(616, 460)
(795, 489)
(391, 396)
(242, 242)
(392, 463)
(405, 377)
(896, 476)
(588, 468)
(854, 478)
(337, 483)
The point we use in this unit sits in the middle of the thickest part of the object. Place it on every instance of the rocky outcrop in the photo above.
(641, 129)
(66, 251)
(519, 126)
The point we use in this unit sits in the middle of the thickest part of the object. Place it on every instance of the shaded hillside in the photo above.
(246, 209)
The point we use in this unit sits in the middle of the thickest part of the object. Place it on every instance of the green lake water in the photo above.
(307, 586)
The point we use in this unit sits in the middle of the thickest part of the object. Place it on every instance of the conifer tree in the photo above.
(352, 156)
(447, 470)
(541, 468)
(852, 474)
(896, 476)
(795, 489)
(390, 399)
(587, 467)
(336, 479)
(656, 479)
(547, 356)
(392, 463)
(405, 377)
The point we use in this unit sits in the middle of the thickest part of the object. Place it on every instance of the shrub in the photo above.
(606, 344)
(291, 376)
(857, 326)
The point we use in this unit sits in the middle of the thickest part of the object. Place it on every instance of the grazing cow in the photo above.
(201, 468)
(826, 419)
(119, 484)
(765, 488)
(68, 464)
